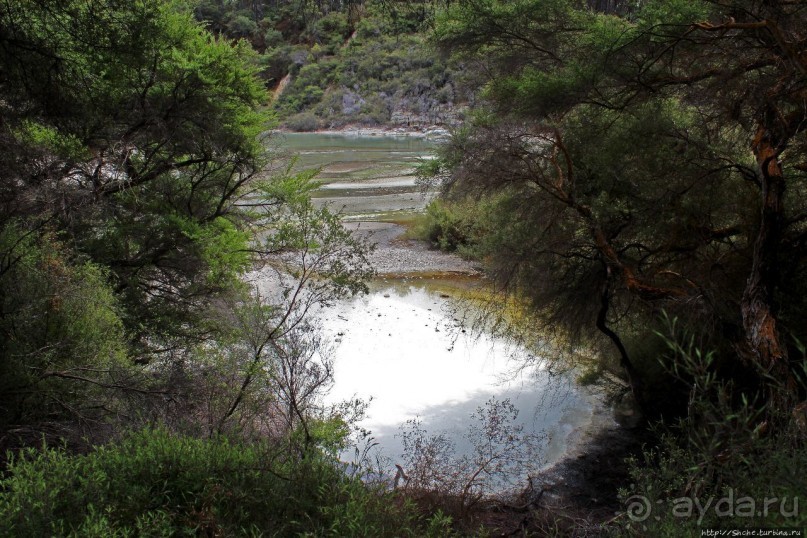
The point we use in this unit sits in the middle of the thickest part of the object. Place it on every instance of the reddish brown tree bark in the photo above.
(758, 312)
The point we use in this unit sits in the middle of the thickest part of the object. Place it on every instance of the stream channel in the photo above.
(405, 345)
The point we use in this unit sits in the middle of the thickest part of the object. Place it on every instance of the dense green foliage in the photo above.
(648, 161)
(722, 455)
(362, 63)
(153, 483)
(462, 226)
(134, 154)
(61, 320)
(137, 190)
(641, 160)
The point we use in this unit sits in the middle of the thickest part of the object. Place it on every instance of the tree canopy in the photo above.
(137, 188)
(130, 130)
(650, 160)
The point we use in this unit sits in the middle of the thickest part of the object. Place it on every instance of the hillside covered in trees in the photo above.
(632, 174)
(339, 63)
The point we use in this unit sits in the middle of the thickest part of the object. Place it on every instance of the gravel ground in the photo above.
(395, 254)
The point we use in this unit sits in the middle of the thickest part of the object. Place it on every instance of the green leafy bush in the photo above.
(734, 461)
(452, 226)
(304, 122)
(63, 337)
(157, 484)
(388, 68)
(330, 31)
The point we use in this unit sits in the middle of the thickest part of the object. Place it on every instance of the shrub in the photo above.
(63, 337)
(304, 121)
(155, 483)
(451, 226)
(720, 466)
(330, 31)
(456, 482)
(241, 25)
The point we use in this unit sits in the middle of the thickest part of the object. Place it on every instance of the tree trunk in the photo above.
(634, 379)
(758, 312)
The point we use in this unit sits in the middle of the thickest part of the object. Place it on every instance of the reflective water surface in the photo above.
(405, 345)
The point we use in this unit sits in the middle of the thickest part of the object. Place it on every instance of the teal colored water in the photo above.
(365, 177)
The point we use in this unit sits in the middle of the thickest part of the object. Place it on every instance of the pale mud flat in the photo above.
(370, 185)
(363, 200)
(354, 206)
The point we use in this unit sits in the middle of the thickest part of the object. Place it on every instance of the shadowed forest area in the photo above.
(631, 175)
